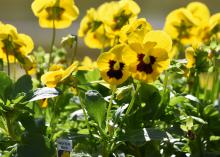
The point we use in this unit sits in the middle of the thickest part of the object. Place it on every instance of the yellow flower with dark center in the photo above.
(185, 24)
(93, 30)
(13, 44)
(113, 65)
(55, 13)
(120, 14)
(57, 75)
(135, 31)
(151, 58)
(190, 57)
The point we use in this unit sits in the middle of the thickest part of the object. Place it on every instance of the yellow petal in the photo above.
(69, 70)
(200, 11)
(161, 39)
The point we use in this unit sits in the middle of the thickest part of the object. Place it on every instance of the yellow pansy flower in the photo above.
(185, 24)
(57, 75)
(93, 30)
(180, 24)
(190, 57)
(135, 31)
(97, 39)
(13, 44)
(87, 64)
(120, 14)
(151, 58)
(55, 13)
(114, 65)
(88, 22)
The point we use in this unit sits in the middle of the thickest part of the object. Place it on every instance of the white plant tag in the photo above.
(64, 147)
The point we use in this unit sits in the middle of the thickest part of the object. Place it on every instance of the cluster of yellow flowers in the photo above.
(136, 49)
(101, 27)
(192, 25)
(15, 46)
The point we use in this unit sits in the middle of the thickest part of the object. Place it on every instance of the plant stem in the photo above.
(14, 68)
(52, 43)
(84, 112)
(8, 64)
(8, 122)
(110, 104)
(165, 82)
(75, 49)
(133, 98)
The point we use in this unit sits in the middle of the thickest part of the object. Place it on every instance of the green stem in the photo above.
(52, 44)
(165, 82)
(75, 49)
(133, 98)
(8, 64)
(216, 82)
(14, 68)
(84, 112)
(8, 123)
(110, 103)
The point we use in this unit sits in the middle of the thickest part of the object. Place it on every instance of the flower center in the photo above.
(10, 47)
(145, 63)
(121, 20)
(115, 70)
(54, 13)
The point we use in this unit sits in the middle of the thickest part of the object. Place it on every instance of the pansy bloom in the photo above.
(185, 24)
(120, 14)
(151, 57)
(56, 74)
(114, 65)
(93, 30)
(135, 31)
(14, 45)
(55, 13)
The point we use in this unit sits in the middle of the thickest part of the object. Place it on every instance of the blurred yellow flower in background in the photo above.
(188, 25)
(135, 31)
(13, 44)
(120, 14)
(55, 13)
(152, 57)
(114, 64)
(57, 74)
(100, 27)
(93, 30)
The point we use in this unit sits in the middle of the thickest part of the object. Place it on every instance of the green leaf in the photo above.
(93, 75)
(43, 93)
(140, 136)
(95, 106)
(149, 94)
(23, 84)
(5, 83)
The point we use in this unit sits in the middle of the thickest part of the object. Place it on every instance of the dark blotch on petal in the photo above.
(118, 74)
(143, 67)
